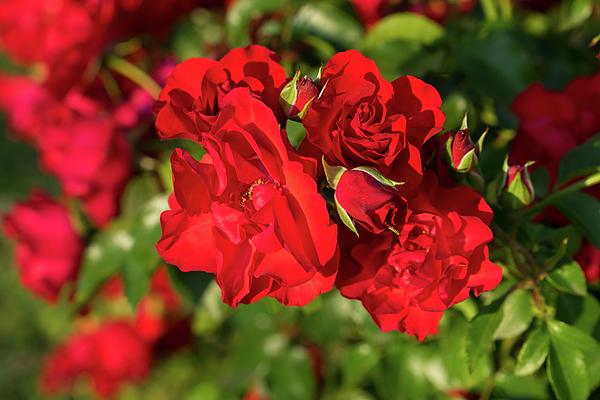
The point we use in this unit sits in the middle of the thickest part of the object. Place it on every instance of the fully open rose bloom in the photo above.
(190, 102)
(361, 119)
(250, 212)
(406, 281)
(48, 250)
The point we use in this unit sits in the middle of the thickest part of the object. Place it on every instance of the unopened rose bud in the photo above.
(516, 190)
(460, 153)
(297, 95)
(365, 196)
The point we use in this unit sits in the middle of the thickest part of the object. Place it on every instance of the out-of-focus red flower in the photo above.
(407, 281)
(369, 12)
(552, 123)
(361, 119)
(48, 250)
(109, 355)
(588, 258)
(250, 212)
(190, 102)
(77, 140)
(63, 37)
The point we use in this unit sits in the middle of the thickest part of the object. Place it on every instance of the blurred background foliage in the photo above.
(330, 349)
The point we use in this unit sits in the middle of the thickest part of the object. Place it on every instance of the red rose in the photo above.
(406, 281)
(48, 250)
(588, 258)
(191, 100)
(361, 119)
(250, 211)
(552, 123)
(110, 355)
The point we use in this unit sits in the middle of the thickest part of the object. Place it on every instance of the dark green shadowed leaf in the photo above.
(240, 15)
(583, 211)
(580, 161)
(568, 278)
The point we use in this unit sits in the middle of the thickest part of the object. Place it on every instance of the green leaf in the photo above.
(359, 360)
(583, 211)
(518, 314)
(406, 27)
(138, 190)
(566, 373)
(481, 332)
(498, 64)
(574, 12)
(102, 259)
(534, 351)
(568, 278)
(327, 22)
(573, 361)
(580, 161)
(581, 312)
(398, 377)
(141, 260)
(241, 13)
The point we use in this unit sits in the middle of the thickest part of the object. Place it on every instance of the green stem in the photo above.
(132, 72)
(506, 9)
(554, 197)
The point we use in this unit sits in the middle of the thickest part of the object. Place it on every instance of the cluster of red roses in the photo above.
(251, 211)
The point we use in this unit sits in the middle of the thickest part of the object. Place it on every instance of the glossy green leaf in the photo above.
(534, 351)
(568, 278)
(518, 314)
(566, 367)
(583, 211)
(481, 332)
(569, 337)
(579, 161)
(326, 21)
(241, 13)
(508, 386)
(406, 27)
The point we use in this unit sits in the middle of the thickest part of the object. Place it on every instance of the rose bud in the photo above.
(297, 95)
(366, 196)
(460, 153)
(516, 190)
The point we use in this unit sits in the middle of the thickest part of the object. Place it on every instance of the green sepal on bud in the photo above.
(296, 96)
(516, 189)
(460, 154)
(334, 174)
